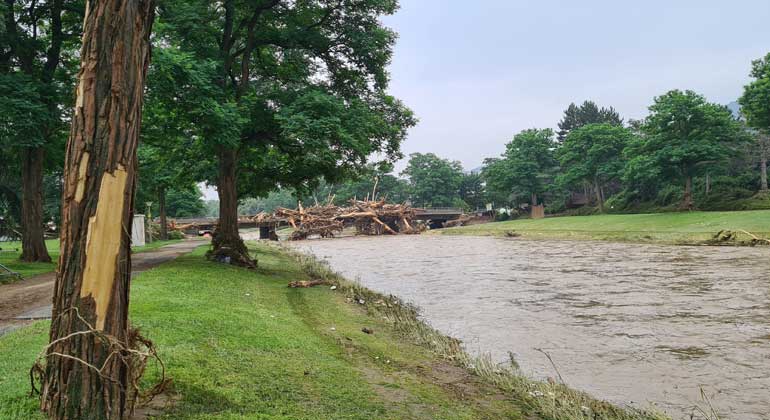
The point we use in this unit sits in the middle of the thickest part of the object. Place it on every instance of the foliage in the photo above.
(182, 201)
(433, 181)
(390, 187)
(755, 102)
(593, 155)
(281, 198)
(587, 113)
(526, 168)
(683, 136)
(473, 191)
(298, 89)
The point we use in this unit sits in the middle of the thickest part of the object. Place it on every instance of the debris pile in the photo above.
(328, 220)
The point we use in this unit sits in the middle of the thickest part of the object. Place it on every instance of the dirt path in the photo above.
(31, 298)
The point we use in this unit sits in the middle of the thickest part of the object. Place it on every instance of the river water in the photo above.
(640, 325)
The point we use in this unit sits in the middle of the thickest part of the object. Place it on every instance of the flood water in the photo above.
(639, 325)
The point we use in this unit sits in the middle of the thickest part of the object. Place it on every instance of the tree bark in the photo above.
(534, 199)
(89, 372)
(763, 173)
(227, 242)
(708, 184)
(687, 203)
(32, 231)
(599, 196)
(162, 213)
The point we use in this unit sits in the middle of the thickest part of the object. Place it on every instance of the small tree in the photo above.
(90, 373)
(683, 133)
(433, 181)
(526, 167)
(593, 154)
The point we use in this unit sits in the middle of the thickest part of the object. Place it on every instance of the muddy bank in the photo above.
(636, 324)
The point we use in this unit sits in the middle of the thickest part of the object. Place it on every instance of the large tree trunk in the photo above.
(162, 213)
(32, 239)
(687, 203)
(599, 195)
(763, 173)
(228, 245)
(89, 327)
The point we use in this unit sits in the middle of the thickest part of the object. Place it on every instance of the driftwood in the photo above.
(328, 220)
(305, 283)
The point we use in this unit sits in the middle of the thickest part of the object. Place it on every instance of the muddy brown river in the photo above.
(639, 325)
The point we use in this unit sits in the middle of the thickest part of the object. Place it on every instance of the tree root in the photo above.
(134, 354)
(229, 250)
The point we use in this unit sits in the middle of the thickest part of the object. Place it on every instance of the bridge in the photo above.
(437, 216)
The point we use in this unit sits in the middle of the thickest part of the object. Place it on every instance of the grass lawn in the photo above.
(9, 257)
(671, 228)
(10, 252)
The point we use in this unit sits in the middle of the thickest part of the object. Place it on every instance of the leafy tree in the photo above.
(280, 198)
(593, 154)
(433, 181)
(755, 107)
(682, 135)
(587, 113)
(473, 191)
(37, 39)
(388, 186)
(294, 92)
(526, 167)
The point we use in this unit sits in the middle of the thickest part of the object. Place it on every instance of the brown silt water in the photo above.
(638, 325)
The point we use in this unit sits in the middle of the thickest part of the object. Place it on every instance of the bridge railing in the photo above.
(440, 210)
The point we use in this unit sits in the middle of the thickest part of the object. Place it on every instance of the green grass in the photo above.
(10, 252)
(241, 345)
(154, 245)
(9, 257)
(670, 228)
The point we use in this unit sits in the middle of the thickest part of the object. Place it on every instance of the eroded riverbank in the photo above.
(634, 324)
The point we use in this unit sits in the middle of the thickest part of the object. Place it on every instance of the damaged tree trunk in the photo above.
(162, 213)
(89, 371)
(32, 239)
(227, 242)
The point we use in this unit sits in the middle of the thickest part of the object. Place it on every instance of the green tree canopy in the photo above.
(683, 134)
(593, 155)
(293, 92)
(755, 102)
(526, 168)
(576, 116)
(433, 181)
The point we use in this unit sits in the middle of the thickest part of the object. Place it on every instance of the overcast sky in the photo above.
(477, 72)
